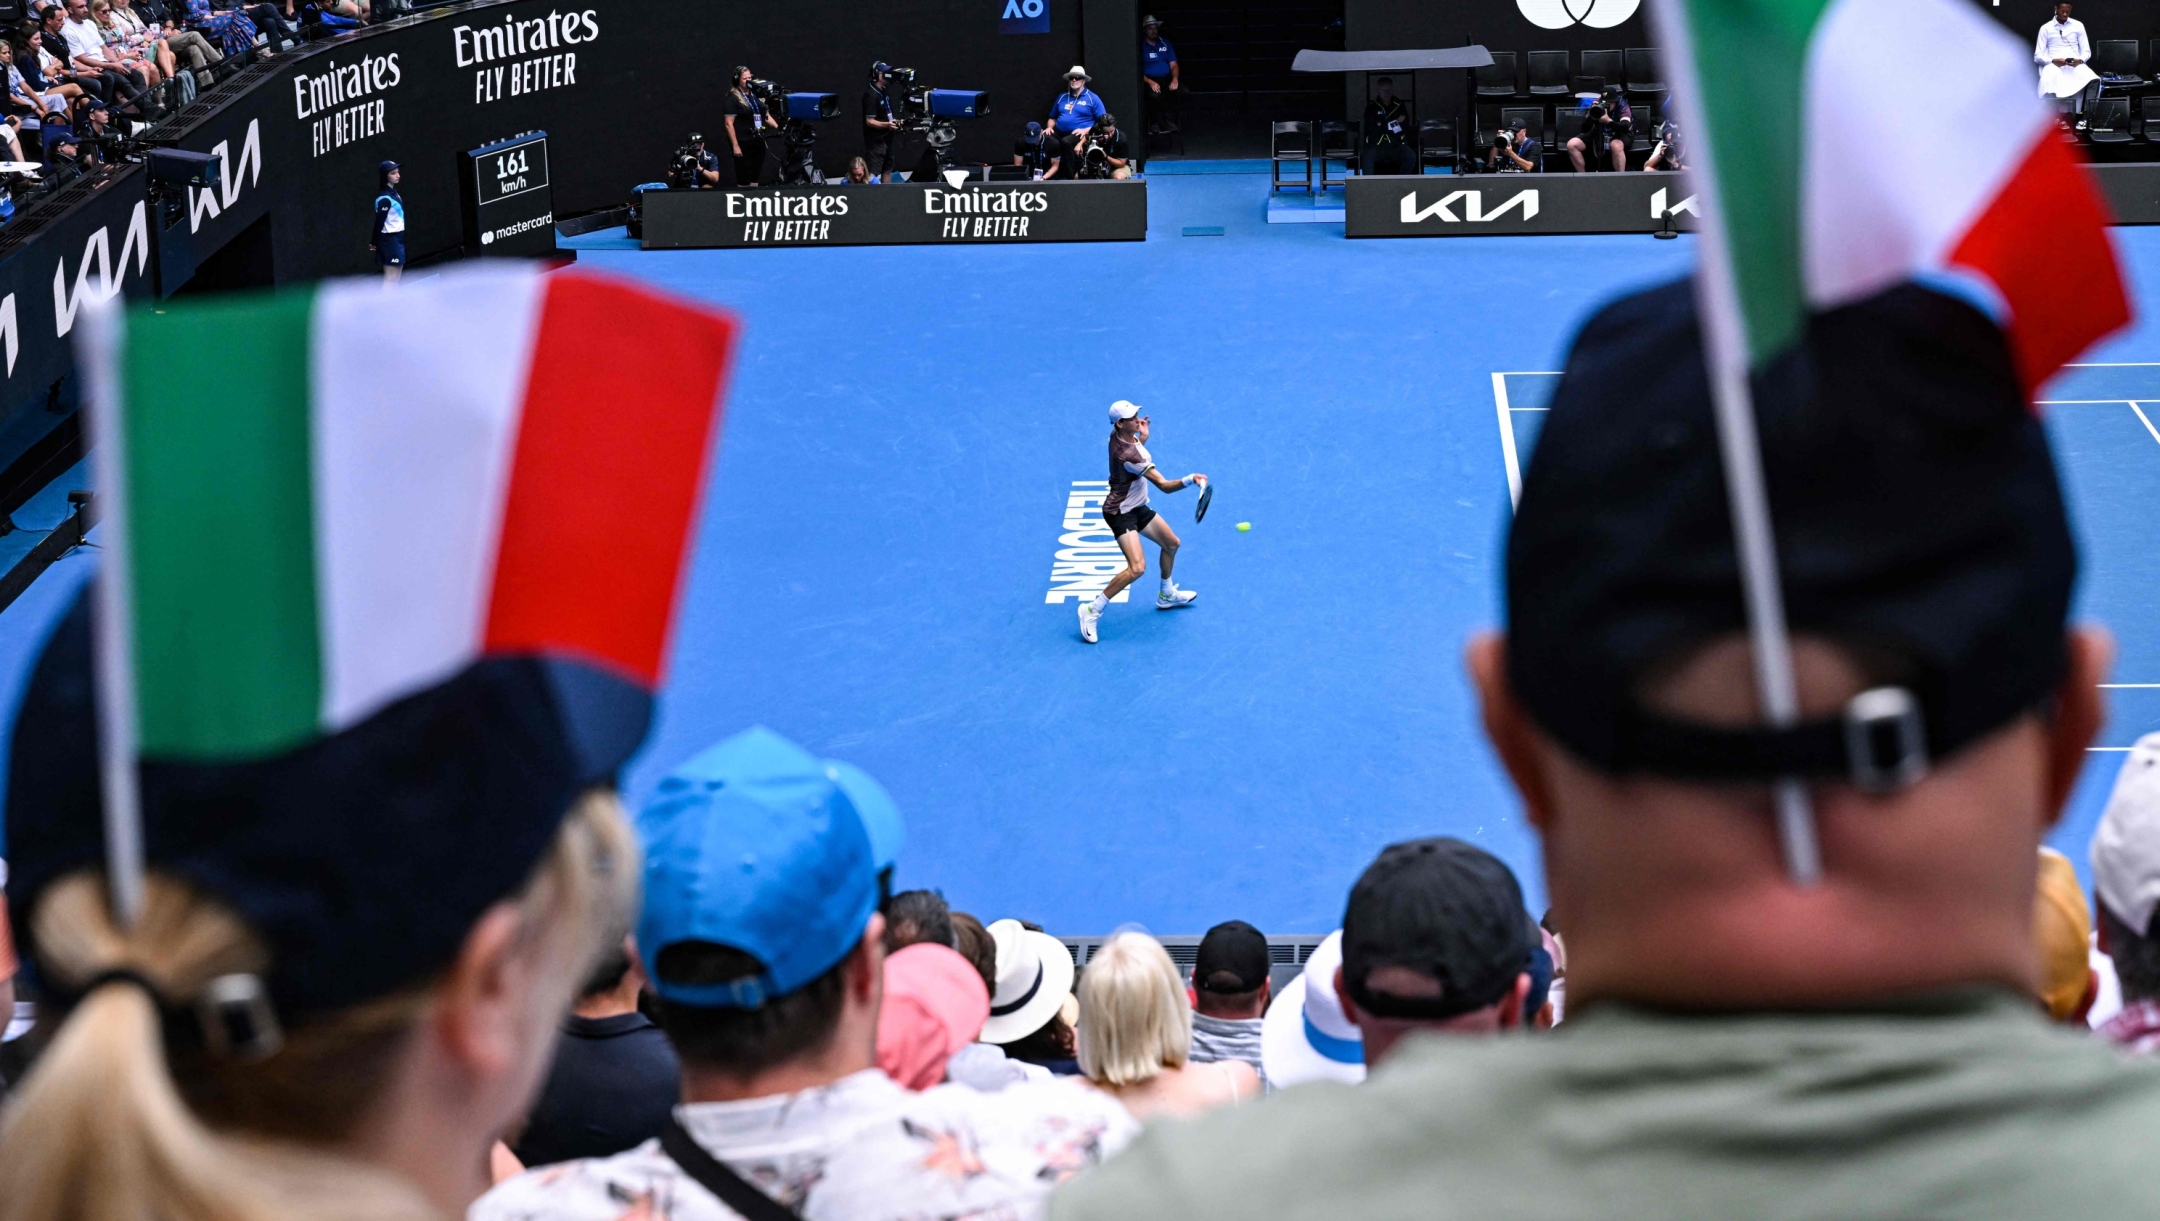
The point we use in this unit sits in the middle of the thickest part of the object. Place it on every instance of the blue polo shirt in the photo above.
(1069, 114)
(1156, 56)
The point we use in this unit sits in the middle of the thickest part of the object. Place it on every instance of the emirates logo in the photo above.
(1560, 14)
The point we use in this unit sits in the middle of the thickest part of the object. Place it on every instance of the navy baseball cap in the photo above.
(362, 858)
(753, 845)
(1446, 909)
(1034, 128)
(1919, 524)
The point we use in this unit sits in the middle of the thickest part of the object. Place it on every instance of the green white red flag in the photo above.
(322, 500)
(1830, 175)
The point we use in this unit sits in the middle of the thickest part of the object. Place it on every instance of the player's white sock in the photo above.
(1169, 586)
(1098, 602)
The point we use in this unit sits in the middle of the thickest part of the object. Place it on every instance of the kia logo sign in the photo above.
(1560, 14)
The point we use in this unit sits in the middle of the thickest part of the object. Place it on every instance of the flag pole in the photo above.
(112, 638)
(1725, 355)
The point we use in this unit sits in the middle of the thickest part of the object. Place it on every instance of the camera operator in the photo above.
(1036, 150)
(693, 168)
(879, 127)
(1513, 151)
(1387, 132)
(1071, 115)
(1159, 76)
(1103, 154)
(1606, 125)
(1671, 150)
(746, 123)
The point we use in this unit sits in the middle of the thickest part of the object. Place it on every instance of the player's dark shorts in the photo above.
(1125, 523)
(390, 250)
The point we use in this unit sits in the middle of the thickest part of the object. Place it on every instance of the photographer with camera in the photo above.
(693, 168)
(1387, 132)
(1607, 124)
(1036, 150)
(1103, 154)
(879, 126)
(1071, 116)
(746, 123)
(1514, 151)
(1671, 150)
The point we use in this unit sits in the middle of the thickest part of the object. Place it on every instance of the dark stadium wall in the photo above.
(1499, 25)
(2104, 19)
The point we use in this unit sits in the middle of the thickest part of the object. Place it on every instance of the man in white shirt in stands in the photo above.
(2062, 52)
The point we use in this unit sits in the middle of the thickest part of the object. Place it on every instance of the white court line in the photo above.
(1507, 441)
(2121, 364)
(2077, 402)
(2129, 686)
(2110, 750)
(2147, 421)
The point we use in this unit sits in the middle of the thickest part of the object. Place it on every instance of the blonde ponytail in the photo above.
(108, 1129)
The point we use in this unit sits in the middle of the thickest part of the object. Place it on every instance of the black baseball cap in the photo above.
(1446, 909)
(1918, 518)
(363, 858)
(1236, 949)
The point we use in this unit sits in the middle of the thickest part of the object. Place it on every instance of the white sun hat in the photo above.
(1123, 410)
(1305, 1036)
(1034, 978)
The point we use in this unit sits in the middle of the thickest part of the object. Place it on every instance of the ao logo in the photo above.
(1015, 9)
(1560, 14)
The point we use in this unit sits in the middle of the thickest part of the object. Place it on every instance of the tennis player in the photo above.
(1126, 509)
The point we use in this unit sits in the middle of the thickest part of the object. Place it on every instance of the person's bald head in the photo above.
(1927, 565)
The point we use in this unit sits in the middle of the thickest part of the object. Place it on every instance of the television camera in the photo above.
(795, 113)
(930, 113)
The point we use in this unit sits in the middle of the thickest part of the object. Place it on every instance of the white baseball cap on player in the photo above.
(1123, 410)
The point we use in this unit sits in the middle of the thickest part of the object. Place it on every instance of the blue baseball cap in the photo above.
(754, 846)
(880, 817)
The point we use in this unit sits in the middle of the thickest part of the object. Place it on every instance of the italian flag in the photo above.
(320, 501)
(1855, 144)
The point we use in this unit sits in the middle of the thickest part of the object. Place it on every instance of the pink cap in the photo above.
(935, 1004)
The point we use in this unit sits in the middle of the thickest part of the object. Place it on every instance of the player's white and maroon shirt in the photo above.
(1129, 461)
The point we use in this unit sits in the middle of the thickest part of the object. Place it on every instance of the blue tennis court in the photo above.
(907, 426)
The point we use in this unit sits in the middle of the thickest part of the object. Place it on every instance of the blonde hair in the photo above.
(1134, 1019)
(108, 1129)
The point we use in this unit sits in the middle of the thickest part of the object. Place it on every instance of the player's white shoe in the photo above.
(1089, 616)
(1173, 598)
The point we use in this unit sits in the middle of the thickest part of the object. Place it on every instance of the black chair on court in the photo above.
(2110, 122)
(1290, 144)
(1606, 67)
(1549, 73)
(1643, 74)
(1338, 142)
(1497, 79)
(1438, 145)
(2117, 57)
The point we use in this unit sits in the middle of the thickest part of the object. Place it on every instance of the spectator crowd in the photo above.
(520, 1003)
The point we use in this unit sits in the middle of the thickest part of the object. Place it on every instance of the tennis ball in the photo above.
(1244, 526)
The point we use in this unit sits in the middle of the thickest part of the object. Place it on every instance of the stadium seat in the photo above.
(2116, 57)
(1291, 143)
(1643, 75)
(1497, 80)
(1548, 73)
(1338, 142)
(1606, 67)
(1567, 123)
(2149, 116)
(1644, 137)
(2110, 122)
(2152, 54)
(1438, 144)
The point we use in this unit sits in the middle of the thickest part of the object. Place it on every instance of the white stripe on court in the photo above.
(2128, 686)
(2079, 402)
(2110, 750)
(1507, 441)
(2120, 364)
(2145, 420)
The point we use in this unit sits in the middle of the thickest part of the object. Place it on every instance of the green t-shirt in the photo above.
(1959, 1104)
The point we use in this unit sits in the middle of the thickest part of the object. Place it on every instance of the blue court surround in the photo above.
(904, 427)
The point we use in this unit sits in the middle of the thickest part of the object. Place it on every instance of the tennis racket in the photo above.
(1207, 494)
